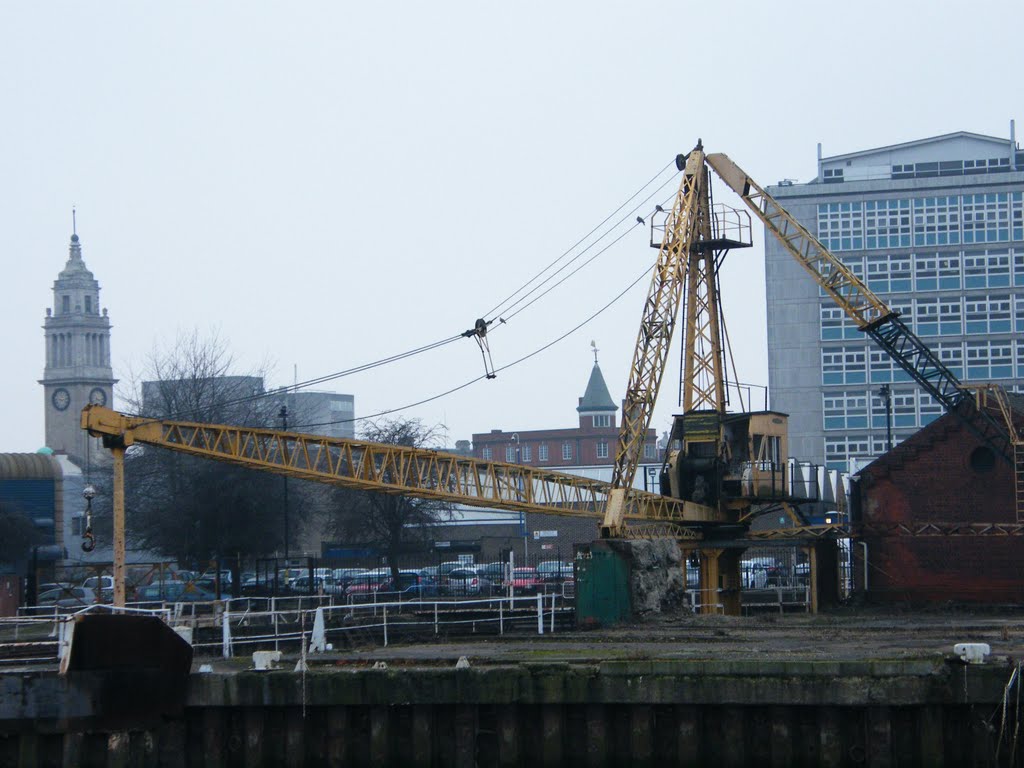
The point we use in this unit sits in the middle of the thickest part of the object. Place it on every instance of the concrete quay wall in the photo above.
(630, 713)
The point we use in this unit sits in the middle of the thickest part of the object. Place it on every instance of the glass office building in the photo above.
(936, 228)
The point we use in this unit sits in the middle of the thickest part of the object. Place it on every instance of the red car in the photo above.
(525, 581)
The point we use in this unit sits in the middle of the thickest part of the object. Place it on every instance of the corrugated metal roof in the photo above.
(28, 465)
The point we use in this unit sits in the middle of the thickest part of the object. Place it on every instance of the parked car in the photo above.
(321, 584)
(66, 597)
(101, 582)
(173, 592)
(365, 583)
(495, 572)
(526, 581)
(552, 571)
(467, 582)
(345, 575)
(411, 585)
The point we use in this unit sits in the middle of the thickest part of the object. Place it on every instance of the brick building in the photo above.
(942, 474)
(587, 449)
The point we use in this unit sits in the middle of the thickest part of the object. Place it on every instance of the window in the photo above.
(930, 409)
(886, 224)
(542, 452)
(649, 451)
(951, 355)
(889, 274)
(1018, 267)
(836, 324)
(987, 314)
(487, 453)
(65, 304)
(841, 226)
(88, 305)
(986, 217)
(884, 369)
(937, 221)
(838, 450)
(833, 175)
(989, 360)
(1017, 214)
(843, 365)
(527, 454)
(950, 317)
(602, 420)
(845, 411)
(926, 311)
(987, 270)
(566, 451)
(510, 453)
(602, 449)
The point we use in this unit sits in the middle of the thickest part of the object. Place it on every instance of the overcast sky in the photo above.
(324, 184)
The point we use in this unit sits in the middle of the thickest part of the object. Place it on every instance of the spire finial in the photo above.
(74, 223)
(593, 345)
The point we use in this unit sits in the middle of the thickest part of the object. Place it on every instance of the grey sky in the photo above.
(329, 183)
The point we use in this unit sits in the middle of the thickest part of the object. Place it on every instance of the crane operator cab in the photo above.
(728, 460)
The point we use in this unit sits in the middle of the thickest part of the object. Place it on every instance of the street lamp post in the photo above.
(885, 393)
(283, 413)
(522, 514)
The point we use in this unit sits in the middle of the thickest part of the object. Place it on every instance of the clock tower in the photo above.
(77, 368)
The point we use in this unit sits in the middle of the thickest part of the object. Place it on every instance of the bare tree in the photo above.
(19, 535)
(193, 508)
(395, 524)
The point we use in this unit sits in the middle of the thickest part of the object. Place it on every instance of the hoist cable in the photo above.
(499, 307)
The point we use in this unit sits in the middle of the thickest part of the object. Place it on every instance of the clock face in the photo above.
(61, 399)
(97, 396)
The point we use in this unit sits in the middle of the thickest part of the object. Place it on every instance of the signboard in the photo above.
(545, 535)
(457, 546)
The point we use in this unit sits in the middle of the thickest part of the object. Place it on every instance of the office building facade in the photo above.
(935, 227)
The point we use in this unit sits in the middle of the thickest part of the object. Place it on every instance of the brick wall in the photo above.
(932, 478)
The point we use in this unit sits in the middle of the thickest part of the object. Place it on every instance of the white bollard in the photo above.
(318, 639)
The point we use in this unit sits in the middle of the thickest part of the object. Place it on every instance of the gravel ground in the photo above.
(846, 636)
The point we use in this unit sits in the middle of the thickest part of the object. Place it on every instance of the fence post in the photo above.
(435, 617)
(553, 596)
(385, 625)
(226, 637)
(273, 613)
(540, 614)
(501, 617)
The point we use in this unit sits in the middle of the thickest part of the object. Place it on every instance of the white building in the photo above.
(935, 227)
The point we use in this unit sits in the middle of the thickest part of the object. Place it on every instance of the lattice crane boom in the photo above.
(657, 325)
(872, 315)
(385, 468)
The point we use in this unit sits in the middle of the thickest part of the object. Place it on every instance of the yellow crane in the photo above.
(726, 464)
